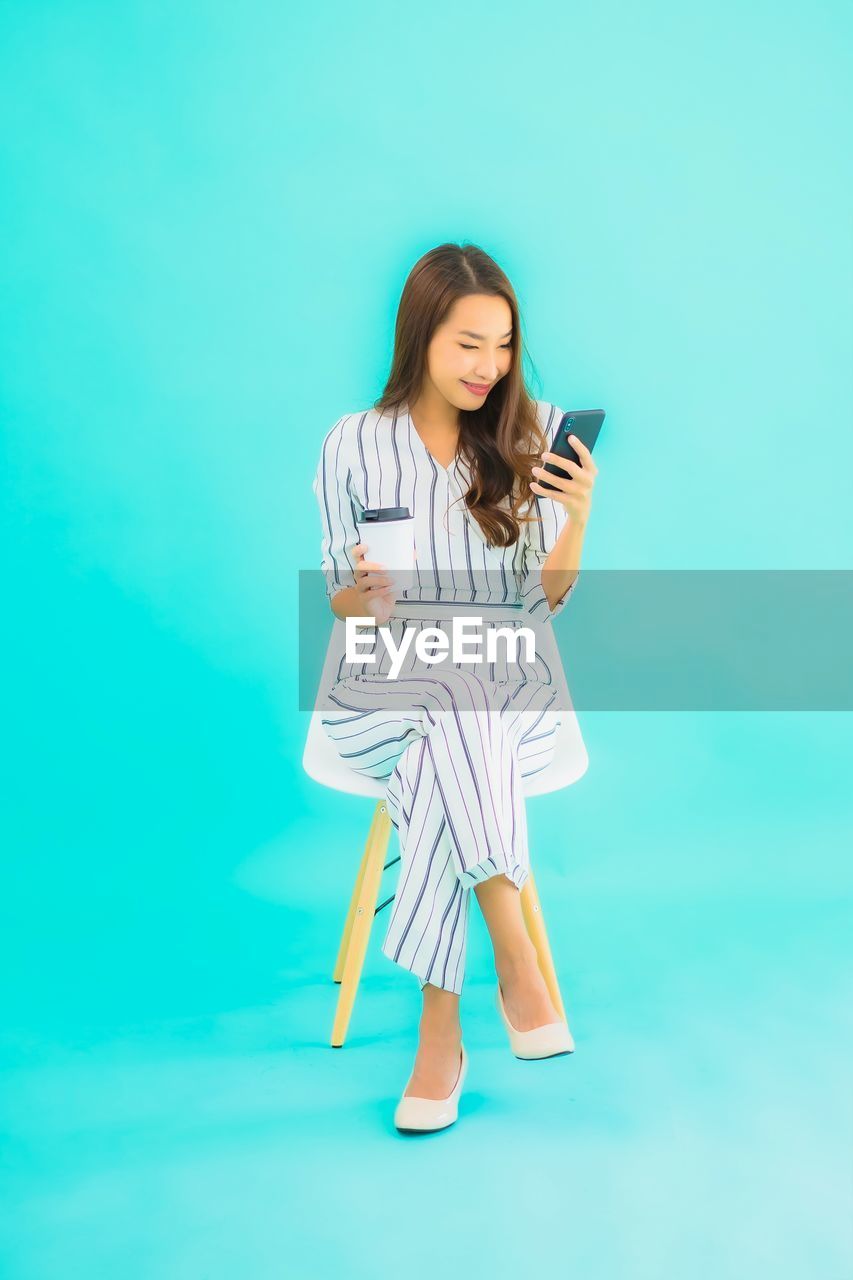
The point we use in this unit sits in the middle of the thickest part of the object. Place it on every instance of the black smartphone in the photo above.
(583, 423)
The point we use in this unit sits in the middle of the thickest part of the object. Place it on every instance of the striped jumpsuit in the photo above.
(453, 745)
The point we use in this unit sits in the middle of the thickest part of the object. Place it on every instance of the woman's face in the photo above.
(472, 350)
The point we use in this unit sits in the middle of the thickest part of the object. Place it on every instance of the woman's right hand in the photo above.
(376, 589)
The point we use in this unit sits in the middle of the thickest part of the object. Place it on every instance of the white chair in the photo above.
(321, 762)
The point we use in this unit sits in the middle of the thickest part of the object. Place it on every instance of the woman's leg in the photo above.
(427, 930)
(523, 987)
(456, 800)
(526, 997)
(436, 1066)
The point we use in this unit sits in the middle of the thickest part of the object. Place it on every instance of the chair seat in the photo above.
(322, 762)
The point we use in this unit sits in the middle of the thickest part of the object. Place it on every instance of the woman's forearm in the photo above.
(563, 562)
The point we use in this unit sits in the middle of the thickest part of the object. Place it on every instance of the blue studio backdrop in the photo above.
(209, 213)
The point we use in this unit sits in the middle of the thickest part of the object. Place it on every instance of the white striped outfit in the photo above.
(455, 744)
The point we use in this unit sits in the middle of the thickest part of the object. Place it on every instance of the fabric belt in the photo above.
(498, 612)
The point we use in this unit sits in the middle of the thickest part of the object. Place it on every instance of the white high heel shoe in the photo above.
(414, 1115)
(547, 1041)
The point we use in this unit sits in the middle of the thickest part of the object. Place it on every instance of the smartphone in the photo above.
(583, 423)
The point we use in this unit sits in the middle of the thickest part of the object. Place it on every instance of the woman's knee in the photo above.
(463, 691)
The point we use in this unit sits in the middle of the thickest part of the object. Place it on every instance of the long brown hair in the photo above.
(502, 439)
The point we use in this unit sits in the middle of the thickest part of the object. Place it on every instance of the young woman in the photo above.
(456, 438)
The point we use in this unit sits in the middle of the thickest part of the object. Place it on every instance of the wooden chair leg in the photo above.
(360, 920)
(354, 900)
(532, 912)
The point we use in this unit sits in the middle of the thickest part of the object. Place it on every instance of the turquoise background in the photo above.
(209, 214)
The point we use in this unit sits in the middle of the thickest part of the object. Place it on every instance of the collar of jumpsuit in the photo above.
(458, 477)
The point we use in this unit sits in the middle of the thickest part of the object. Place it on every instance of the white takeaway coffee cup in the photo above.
(389, 535)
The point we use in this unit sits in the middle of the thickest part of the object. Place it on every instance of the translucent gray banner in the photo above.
(626, 640)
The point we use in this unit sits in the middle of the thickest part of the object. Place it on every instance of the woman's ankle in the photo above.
(516, 961)
(440, 1014)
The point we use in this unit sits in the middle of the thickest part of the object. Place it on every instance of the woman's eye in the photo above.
(467, 347)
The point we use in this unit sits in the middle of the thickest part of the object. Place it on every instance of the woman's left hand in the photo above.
(573, 491)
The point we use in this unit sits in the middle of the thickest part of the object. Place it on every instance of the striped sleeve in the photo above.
(339, 534)
(539, 538)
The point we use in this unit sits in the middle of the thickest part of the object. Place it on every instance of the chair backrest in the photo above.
(321, 761)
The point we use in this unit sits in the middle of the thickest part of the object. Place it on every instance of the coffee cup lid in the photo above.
(380, 514)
